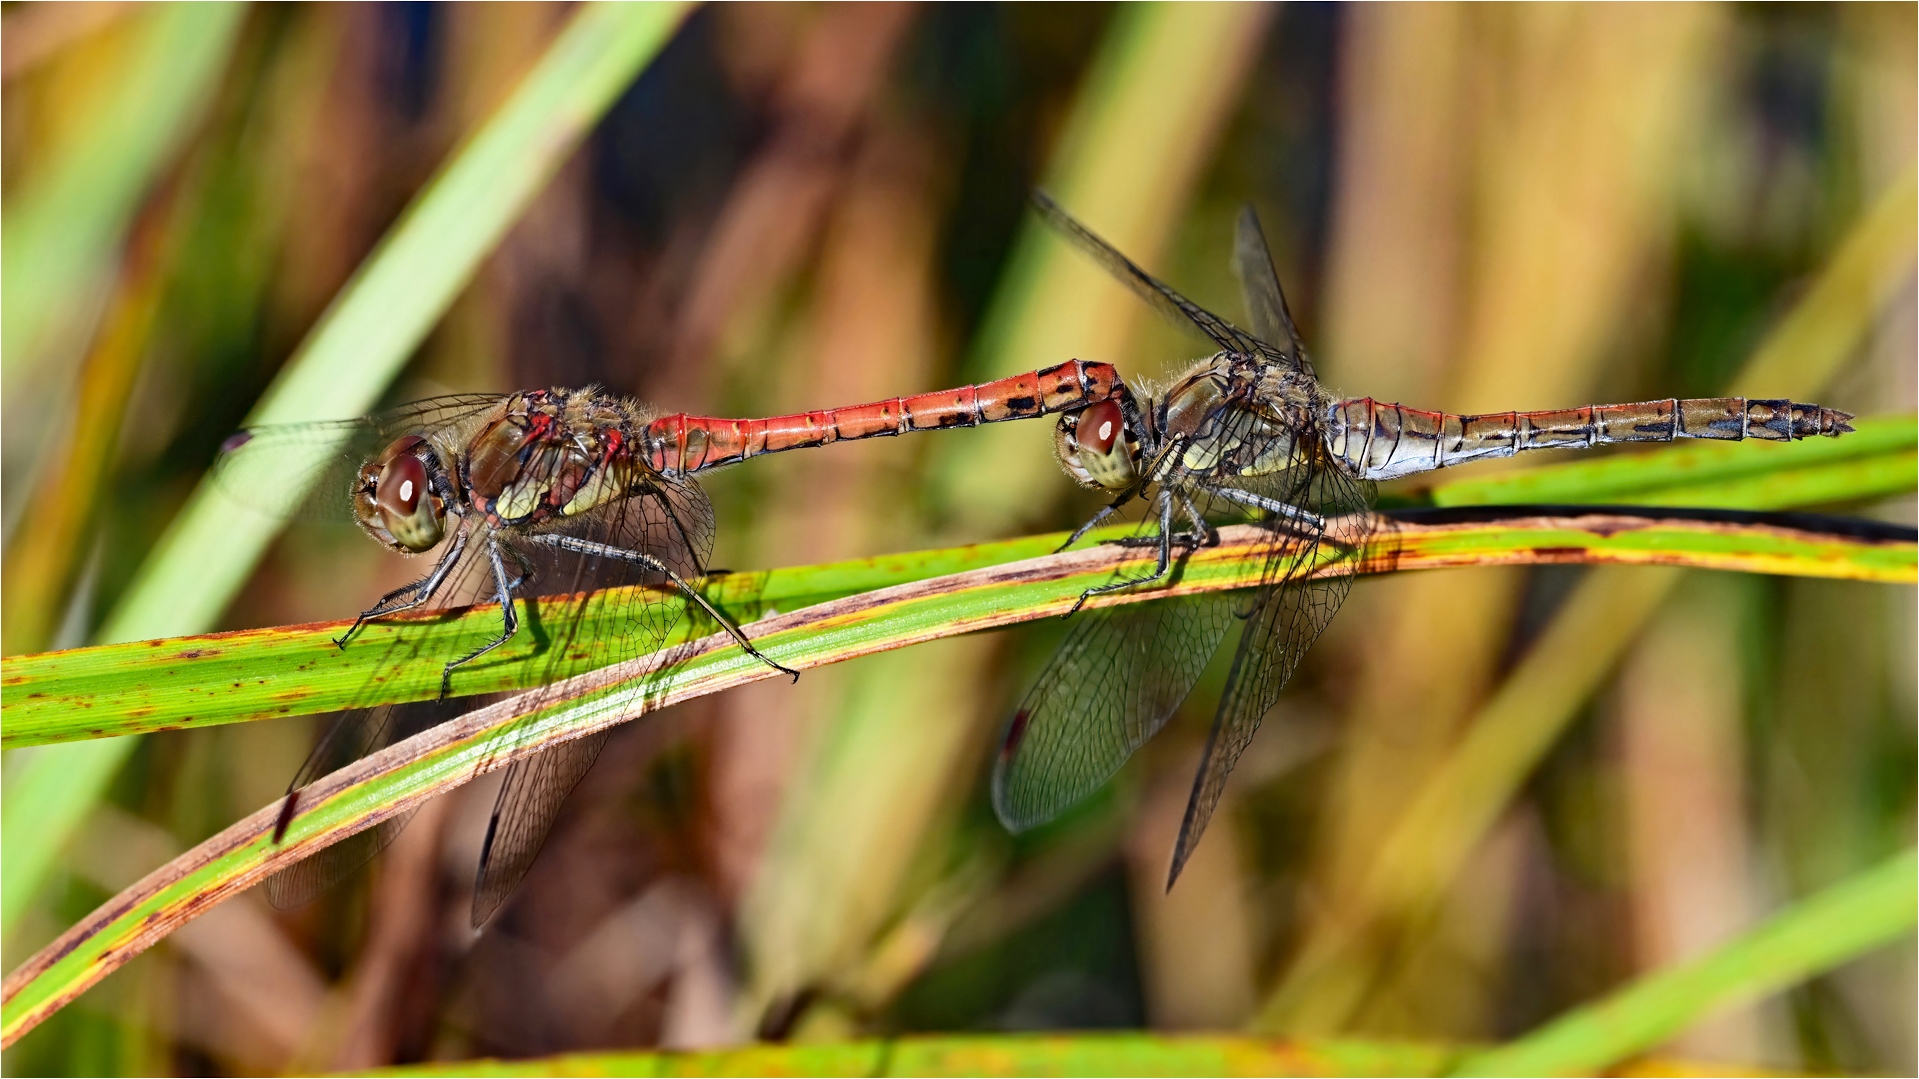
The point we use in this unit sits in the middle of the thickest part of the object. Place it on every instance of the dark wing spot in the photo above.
(287, 806)
(1015, 732)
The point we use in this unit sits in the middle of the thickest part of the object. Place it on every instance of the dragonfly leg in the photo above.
(1165, 562)
(1111, 508)
(418, 592)
(525, 568)
(1208, 535)
(1274, 506)
(604, 550)
(509, 618)
(1201, 535)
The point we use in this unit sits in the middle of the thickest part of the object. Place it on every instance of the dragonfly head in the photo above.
(1099, 445)
(395, 498)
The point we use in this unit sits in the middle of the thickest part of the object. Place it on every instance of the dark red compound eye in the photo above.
(1100, 426)
(402, 486)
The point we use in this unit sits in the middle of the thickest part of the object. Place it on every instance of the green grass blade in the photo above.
(1816, 934)
(341, 369)
(1091, 1054)
(1415, 866)
(1004, 1054)
(1875, 460)
(396, 779)
(363, 341)
(60, 232)
(211, 679)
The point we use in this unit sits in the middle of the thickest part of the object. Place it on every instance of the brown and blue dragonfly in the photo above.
(1249, 433)
(546, 492)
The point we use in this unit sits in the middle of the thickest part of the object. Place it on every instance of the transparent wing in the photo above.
(524, 813)
(306, 470)
(1306, 573)
(1154, 291)
(673, 523)
(1114, 682)
(669, 521)
(1265, 301)
(351, 735)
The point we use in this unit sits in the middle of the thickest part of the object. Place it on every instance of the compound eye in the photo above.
(402, 486)
(406, 506)
(1100, 426)
(1104, 453)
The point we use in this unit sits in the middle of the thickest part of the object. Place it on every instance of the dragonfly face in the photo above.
(400, 496)
(1099, 445)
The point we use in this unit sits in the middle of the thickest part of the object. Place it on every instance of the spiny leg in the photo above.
(1283, 510)
(1208, 535)
(1111, 508)
(422, 590)
(603, 550)
(509, 618)
(525, 567)
(1159, 570)
(1203, 534)
(1286, 517)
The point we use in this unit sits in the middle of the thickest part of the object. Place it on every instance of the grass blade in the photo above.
(1816, 934)
(1105, 1053)
(60, 232)
(1005, 1054)
(212, 679)
(1348, 957)
(363, 341)
(404, 775)
(346, 362)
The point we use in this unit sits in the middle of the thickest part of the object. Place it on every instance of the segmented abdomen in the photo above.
(1384, 441)
(682, 443)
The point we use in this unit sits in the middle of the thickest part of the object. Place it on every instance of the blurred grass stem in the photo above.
(1457, 804)
(355, 351)
(1818, 933)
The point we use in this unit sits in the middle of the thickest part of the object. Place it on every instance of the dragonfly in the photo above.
(543, 492)
(1249, 432)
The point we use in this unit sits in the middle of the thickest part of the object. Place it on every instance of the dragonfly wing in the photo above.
(529, 802)
(673, 523)
(352, 735)
(1265, 301)
(307, 470)
(296, 470)
(1154, 291)
(1116, 679)
(1306, 574)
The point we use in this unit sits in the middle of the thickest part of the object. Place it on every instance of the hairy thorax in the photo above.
(1237, 414)
(552, 453)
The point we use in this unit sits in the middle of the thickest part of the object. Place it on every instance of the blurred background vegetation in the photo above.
(1474, 208)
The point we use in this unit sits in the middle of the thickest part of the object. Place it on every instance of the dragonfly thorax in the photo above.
(552, 453)
(400, 496)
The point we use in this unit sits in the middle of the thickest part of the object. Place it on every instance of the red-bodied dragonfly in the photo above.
(549, 492)
(1249, 432)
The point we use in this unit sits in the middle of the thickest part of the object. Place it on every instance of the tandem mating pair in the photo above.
(558, 491)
